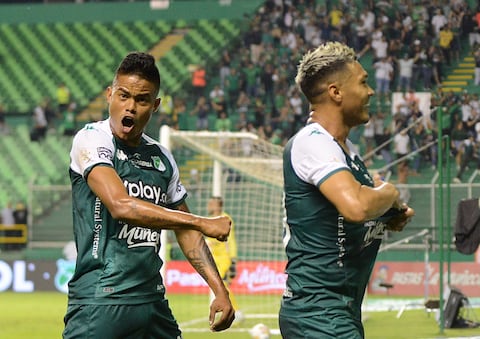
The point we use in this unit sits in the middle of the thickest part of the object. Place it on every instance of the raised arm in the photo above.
(107, 185)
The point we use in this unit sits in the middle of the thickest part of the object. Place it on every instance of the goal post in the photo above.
(246, 171)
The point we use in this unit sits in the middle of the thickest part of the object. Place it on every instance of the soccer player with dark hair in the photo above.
(336, 212)
(126, 189)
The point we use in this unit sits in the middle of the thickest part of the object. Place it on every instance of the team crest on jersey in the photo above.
(158, 163)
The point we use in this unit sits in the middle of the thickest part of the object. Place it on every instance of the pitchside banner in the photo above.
(418, 278)
(253, 277)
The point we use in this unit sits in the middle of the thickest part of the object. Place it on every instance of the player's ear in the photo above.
(334, 92)
(156, 104)
(108, 93)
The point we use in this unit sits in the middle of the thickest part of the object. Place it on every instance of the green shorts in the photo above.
(150, 320)
(334, 322)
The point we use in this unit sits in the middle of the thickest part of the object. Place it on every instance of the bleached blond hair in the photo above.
(318, 64)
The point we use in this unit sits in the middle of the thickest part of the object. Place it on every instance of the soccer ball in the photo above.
(260, 331)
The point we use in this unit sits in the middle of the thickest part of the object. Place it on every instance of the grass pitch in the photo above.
(40, 315)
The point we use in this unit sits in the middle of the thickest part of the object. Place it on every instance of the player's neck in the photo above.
(336, 128)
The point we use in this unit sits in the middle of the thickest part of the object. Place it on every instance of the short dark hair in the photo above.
(319, 64)
(141, 64)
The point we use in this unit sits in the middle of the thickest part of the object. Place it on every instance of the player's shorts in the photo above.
(327, 323)
(150, 320)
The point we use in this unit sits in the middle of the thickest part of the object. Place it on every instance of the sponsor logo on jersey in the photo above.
(136, 236)
(375, 231)
(97, 227)
(104, 153)
(141, 163)
(146, 192)
(341, 240)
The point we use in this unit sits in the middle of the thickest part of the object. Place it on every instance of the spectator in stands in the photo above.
(199, 80)
(223, 122)
(63, 97)
(417, 136)
(296, 104)
(201, 110)
(426, 68)
(361, 37)
(438, 21)
(383, 75)
(268, 78)
(469, 27)
(20, 213)
(232, 87)
(224, 68)
(40, 125)
(383, 143)
(445, 39)
(437, 64)
(250, 76)
(219, 105)
(114, 171)
(468, 155)
(458, 135)
(472, 121)
(254, 43)
(466, 110)
(243, 103)
(216, 93)
(405, 71)
(69, 122)
(401, 147)
(476, 56)
(165, 110)
(179, 111)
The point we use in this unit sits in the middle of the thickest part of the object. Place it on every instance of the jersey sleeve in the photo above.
(316, 156)
(176, 191)
(90, 147)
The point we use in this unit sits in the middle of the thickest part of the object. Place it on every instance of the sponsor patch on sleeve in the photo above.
(104, 153)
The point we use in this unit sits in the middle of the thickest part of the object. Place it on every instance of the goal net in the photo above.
(246, 172)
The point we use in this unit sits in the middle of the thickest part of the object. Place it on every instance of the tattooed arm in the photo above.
(198, 254)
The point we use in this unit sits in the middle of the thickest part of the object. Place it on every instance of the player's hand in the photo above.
(232, 270)
(399, 221)
(222, 309)
(218, 228)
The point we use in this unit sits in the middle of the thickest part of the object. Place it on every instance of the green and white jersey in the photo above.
(118, 263)
(329, 259)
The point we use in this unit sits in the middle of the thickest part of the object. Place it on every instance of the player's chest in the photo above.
(145, 175)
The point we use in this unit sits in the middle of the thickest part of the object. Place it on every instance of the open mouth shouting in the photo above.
(127, 122)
